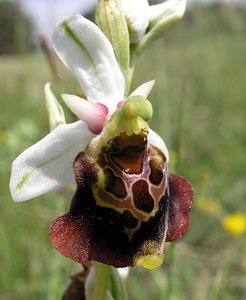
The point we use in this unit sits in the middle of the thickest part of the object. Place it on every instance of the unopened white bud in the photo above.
(136, 13)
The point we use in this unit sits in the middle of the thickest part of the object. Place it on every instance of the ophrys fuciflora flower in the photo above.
(126, 205)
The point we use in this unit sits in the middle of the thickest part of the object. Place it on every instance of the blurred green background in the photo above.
(199, 109)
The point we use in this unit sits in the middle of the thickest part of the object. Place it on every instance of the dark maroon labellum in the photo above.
(125, 205)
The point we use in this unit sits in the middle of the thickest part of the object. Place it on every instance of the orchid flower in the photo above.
(126, 205)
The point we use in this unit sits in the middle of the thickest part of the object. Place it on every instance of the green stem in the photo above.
(171, 274)
(118, 287)
(101, 281)
(128, 80)
(131, 68)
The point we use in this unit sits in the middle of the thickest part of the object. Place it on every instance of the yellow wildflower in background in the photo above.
(235, 223)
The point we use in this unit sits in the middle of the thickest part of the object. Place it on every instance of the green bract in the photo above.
(110, 19)
(131, 25)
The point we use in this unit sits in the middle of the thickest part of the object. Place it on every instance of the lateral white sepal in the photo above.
(47, 165)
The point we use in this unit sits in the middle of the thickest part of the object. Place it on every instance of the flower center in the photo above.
(131, 179)
(127, 152)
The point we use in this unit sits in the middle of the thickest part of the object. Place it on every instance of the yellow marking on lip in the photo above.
(150, 262)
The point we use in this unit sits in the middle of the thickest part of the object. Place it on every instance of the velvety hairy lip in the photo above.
(181, 201)
(95, 233)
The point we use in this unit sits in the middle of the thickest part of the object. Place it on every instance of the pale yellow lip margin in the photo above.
(151, 262)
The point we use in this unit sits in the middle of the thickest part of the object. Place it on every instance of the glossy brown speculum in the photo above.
(132, 177)
(127, 152)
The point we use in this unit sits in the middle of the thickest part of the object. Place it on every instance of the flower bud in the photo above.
(110, 19)
(162, 15)
(137, 17)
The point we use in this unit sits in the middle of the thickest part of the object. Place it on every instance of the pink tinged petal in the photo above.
(93, 114)
(86, 51)
(181, 200)
(121, 103)
(155, 140)
(47, 165)
(144, 89)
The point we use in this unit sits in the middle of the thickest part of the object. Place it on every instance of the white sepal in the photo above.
(155, 140)
(86, 51)
(47, 165)
(136, 13)
(144, 89)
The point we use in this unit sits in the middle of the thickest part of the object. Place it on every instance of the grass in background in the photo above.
(199, 109)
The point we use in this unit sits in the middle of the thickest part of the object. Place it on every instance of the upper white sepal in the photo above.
(86, 51)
